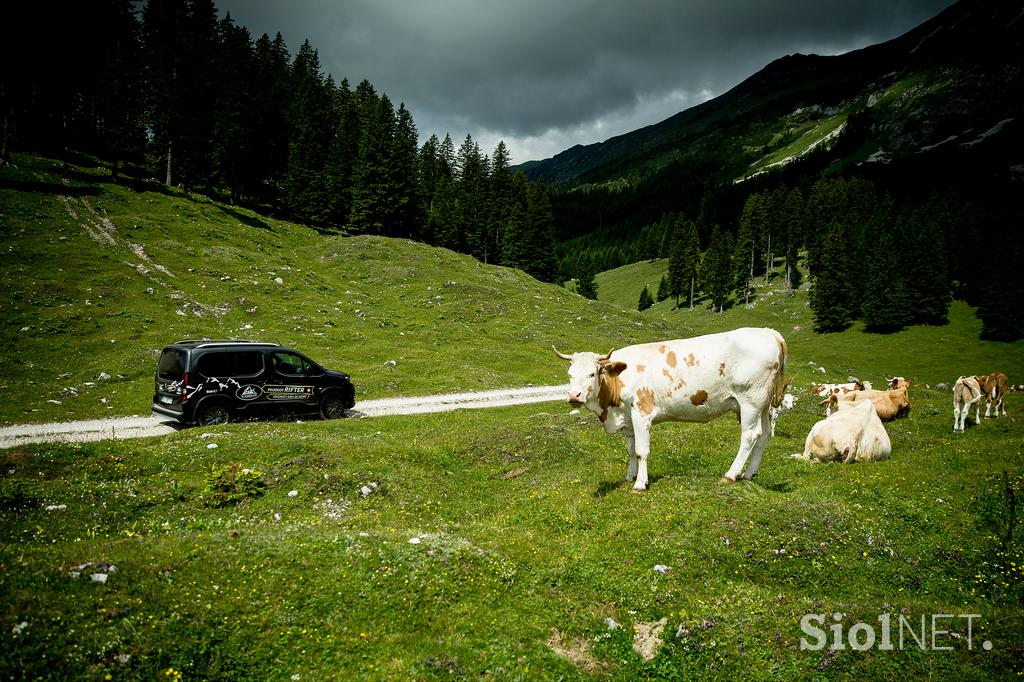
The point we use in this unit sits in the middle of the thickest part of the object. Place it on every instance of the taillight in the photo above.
(184, 388)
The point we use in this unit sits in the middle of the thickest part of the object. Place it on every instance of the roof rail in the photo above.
(206, 343)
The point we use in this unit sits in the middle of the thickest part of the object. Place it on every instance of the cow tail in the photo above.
(779, 381)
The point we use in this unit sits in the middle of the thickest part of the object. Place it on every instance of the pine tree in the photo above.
(403, 162)
(305, 186)
(235, 68)
(197, 88)
(500, 200)
(472, 171)
(745, 250)
(927, 275)
(514, 246)
(717, 268)
(831, 294)
(663, 289)
(826, 204)
(885, 304)
(791, 230)
(162, 25)
(119, 97)
(1001, 287)
(680, 259)
(342, 155)
(586, 278)
(540, 233)
(685, 261)
(270, 132)
(645, 300)
(375, 195)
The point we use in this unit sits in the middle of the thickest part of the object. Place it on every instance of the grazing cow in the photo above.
(689, 380)
(966, 392)
(784, 406)
(853, 433)
(994, 386)
(889, 405)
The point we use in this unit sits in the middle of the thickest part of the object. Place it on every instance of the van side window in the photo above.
(249, 363)
(289, 364)
(215, 365)
(225, 365)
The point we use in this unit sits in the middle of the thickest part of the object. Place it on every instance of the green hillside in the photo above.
(622, 286)
(490, 544)
(99, 277)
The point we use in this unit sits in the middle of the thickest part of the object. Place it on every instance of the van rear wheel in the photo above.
(213, 413)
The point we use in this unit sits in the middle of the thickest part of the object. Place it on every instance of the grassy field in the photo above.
(622, 286)
(487, 544)
(79, 302)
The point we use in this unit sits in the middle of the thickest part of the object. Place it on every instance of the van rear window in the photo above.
(172, 364)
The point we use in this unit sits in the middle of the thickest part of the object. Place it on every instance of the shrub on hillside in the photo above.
(232, 484)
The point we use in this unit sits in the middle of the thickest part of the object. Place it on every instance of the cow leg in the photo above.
(999, 406)
(956, 417)
(977, 412)
(750, 432)
(754, 463)
(633, 463)
(642, 448)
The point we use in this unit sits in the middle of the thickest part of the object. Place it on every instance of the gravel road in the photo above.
(142, 427)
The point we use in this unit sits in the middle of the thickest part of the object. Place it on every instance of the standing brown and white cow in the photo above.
(688, 380)
(966, 392)
(994, 386)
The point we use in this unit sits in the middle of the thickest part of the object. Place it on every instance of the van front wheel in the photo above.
(332, 406)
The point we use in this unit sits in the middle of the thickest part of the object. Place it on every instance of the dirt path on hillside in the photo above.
(142, 427)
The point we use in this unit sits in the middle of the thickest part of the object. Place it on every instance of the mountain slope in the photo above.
(100, 276)
(955, 73)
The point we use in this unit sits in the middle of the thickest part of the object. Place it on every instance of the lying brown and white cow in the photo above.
(889, 405)
(994, 386)
(966, 392)
(688, 380)
(897, 382)
(854, 433)
(830, 393)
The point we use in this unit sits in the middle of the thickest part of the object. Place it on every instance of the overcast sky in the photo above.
(544, 75)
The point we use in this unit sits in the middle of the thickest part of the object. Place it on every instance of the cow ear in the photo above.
(614, 368)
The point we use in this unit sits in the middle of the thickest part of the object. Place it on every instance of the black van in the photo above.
(214, 382)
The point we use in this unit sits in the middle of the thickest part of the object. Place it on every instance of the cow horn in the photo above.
(561, 355)
(605, 357)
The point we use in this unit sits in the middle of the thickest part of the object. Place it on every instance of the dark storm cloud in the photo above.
(546, 74)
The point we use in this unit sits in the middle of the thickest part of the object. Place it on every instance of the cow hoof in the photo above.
(727, 479)
(636, 489)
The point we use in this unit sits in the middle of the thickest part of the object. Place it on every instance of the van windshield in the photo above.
(172, 364)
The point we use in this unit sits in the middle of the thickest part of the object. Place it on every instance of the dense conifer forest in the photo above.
(888, 251)
(170, 90)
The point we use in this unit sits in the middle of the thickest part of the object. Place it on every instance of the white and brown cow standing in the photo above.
(688, 380)
(966, 392)
(994, 386)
